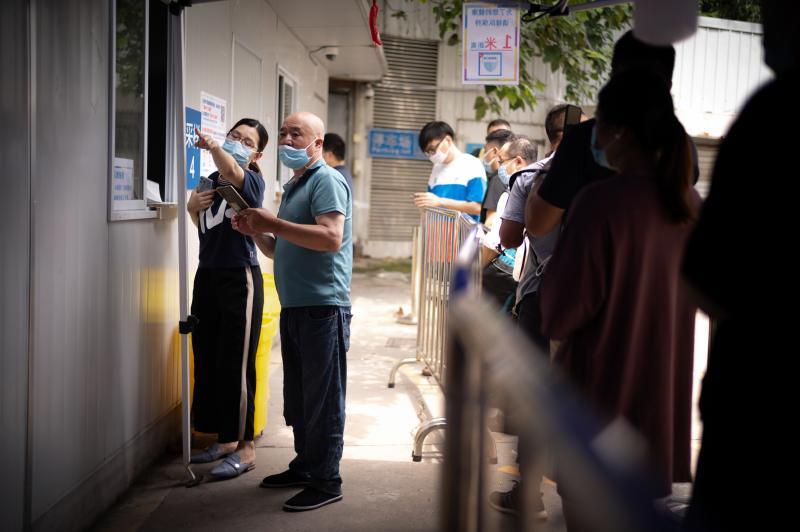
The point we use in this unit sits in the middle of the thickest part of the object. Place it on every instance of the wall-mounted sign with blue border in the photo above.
(490, 37)
(394, 144)
(193, 118)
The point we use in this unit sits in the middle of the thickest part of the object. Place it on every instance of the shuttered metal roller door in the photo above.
(405, 99)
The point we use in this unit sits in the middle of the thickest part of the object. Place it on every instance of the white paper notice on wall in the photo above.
(122, 183)
(213, 112)
(490, 43)
(152, 192)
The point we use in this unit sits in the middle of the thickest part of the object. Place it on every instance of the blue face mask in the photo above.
(598, 153)
(240, 153)
(294, 158)
(487, 167)
(502, 174)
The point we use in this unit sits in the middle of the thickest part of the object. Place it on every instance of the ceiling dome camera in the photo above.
(330, 52)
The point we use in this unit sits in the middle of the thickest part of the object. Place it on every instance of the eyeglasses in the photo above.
(431, 151)
(246, 142)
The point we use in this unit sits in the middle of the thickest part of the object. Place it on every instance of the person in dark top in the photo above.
(491, 162)
(573, 167)
(748, 400)
(612, 293)
(495, 125)
(498, 124)
(539, 249)
(334, 152)
(228, 299)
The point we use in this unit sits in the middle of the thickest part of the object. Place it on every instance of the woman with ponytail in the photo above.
(612, 293)
(228, 299)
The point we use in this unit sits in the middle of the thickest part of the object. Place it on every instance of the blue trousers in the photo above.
(314, 344)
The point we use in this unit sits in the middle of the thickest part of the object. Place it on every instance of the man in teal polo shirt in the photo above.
(310, 241)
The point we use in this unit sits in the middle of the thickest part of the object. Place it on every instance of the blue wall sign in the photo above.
(193, 118)
(394, 144)
(472, 146)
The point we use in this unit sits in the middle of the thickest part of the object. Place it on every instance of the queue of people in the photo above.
(589, 248)
(600, 228)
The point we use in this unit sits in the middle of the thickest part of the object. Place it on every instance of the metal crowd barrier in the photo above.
(416, 291)
(442, 233)
(487, 356)
(416, 272)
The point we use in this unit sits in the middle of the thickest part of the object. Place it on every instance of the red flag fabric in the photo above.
(373, 23)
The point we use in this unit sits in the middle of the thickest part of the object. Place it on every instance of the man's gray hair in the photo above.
(523, 147)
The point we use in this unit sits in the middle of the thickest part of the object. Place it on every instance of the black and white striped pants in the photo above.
(229, 303)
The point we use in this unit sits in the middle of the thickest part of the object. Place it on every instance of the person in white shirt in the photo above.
(458, 180)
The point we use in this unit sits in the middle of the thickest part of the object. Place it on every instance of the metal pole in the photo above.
(179, 110)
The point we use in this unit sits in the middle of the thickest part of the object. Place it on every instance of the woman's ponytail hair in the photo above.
(640, 101)
(673, 173)
(263, 138)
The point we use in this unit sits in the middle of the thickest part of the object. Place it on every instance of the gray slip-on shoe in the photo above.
(209, 454)
(231, 467)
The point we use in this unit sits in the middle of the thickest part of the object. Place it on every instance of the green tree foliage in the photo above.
(130, 47)
(579, 45)
(747, 10)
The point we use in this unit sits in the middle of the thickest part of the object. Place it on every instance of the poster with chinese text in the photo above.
(490, 43)
(212, 111)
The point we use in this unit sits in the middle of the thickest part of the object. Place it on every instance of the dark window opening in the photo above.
(157, 96)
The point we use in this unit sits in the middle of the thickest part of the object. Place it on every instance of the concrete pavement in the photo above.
(383, 489)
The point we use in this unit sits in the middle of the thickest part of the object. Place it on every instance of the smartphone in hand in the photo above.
(234, 199)
(204, 184)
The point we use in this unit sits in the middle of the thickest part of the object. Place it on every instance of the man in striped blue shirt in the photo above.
(458, 180)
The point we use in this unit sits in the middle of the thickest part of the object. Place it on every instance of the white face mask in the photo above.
(439, 156)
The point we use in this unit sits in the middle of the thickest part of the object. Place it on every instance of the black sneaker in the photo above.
(310, 499)
(287, 479)
(508, 502)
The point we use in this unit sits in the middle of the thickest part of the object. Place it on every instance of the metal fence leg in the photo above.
(192, 480)
(396, 367)
(422, 432)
